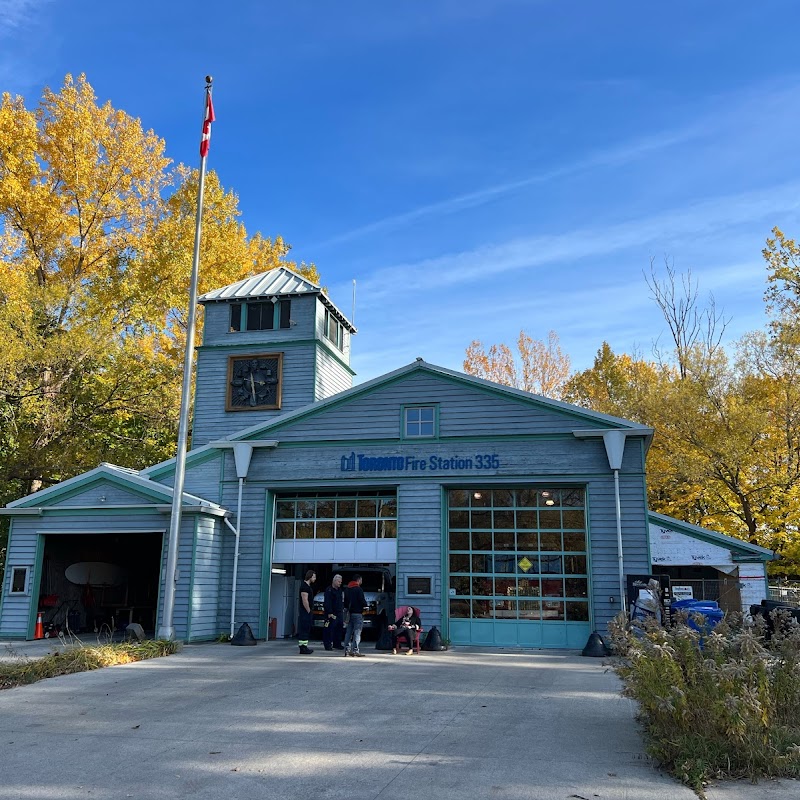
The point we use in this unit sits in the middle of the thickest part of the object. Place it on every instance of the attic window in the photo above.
(419, 422)
(262, 316)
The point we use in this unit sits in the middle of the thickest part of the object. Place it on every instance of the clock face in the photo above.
(254, 382)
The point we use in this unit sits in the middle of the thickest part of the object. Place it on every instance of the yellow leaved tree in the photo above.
(96, 236)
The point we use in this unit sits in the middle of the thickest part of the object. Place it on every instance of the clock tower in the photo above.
(271, 344)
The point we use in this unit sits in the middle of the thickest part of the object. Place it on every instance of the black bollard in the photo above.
(595, 646)
(244, 637)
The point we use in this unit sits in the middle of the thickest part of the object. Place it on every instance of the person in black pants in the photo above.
(305, 618)
(407, 627)
(334, 615)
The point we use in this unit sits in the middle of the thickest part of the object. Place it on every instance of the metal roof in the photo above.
(275, 283)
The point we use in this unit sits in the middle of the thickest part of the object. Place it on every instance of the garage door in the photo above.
(318, 527)
(518, 567)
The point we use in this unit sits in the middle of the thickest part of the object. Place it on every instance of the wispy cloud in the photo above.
(701, 219)
(16, 14)
(615, 156)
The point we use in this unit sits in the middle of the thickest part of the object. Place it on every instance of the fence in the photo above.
(788, 593)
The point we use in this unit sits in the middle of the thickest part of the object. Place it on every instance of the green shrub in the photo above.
(723, 704)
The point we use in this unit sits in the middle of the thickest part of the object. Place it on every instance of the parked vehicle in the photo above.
(378, 586)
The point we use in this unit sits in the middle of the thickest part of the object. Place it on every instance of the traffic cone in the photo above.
(38, 631)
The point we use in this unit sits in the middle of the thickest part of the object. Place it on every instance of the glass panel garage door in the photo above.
(518, 567)
(313, 527)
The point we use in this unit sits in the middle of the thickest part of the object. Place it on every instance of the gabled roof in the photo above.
(602, 421)
(121, 476)
(278, 282)
(712, 537)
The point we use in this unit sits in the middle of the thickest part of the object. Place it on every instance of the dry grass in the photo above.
(721, 705)
(80, 658)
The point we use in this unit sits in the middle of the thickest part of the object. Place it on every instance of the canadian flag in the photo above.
(205, 139)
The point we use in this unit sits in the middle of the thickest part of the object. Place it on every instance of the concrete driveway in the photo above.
(261, 722)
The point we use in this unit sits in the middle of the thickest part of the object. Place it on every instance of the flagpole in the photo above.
(167, 629)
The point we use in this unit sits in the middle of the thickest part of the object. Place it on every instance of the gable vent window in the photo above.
(420, 421)
(261, 316)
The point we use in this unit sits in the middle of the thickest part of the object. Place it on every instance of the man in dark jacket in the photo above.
(355, 603)
(305, 618)
(334, 615)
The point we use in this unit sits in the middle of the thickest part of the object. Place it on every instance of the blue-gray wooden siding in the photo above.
(251, 555)
(331, 376)
(320, 329)
(217, 320)
(463, 411)
(206, 579)
(15, 609)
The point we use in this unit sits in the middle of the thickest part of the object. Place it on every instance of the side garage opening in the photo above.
(99, 582)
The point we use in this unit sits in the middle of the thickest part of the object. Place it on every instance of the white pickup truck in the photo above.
(378, 587)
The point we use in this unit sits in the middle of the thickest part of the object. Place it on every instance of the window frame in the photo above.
(27, 580)
(281, 313)
(404, 434)
(337, 340)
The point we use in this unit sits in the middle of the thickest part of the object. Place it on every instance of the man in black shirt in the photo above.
(305, 618)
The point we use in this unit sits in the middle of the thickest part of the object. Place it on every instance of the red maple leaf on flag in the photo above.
(205, 139)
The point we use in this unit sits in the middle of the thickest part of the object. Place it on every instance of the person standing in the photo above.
(334, 615)
(305, 618)
(355, 603)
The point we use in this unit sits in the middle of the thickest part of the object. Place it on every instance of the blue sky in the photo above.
(477, 166)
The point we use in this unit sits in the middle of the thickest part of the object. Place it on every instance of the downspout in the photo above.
(242, 453)
(235, 554)
(614, 440)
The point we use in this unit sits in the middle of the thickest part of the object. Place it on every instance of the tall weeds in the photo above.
(725, 703)
(80, 658)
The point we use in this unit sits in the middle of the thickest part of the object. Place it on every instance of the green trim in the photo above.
(336, 483)
(445, 567)
(88, 481)
(37, 584)
(336, 354)
(16, 636)
(162, 568)
(99, 511)
(266, 564)
(422, 439)
(205, 638)
(395, 442)
(193, 458)
(247, 346)
(587, 511)
(220, 493)
(190, 599)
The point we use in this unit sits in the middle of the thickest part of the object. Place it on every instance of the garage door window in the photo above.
(518, 554)
(362, 515)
